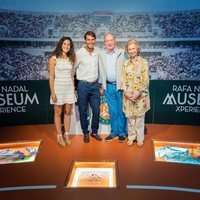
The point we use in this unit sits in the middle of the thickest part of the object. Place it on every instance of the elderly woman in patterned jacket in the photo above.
(135, 84)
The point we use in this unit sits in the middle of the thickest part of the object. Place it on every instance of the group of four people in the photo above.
(123, 81)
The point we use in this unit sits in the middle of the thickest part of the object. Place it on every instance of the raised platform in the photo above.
(139, 175)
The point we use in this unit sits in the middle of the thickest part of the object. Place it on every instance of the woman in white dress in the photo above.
(61, 82)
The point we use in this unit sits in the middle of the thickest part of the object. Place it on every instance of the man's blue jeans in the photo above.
(88, 94)
(118, 120)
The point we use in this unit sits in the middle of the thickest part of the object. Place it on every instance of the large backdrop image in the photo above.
(170, 41)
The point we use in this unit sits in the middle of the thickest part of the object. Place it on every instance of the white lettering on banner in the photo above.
(181, 88)
(185, 97)
(31, 101)
(14, 88)
(197, 88)
(169, 99)
(21, 99)
(188, 109)
(18, 109)
(198, 99)
(11, 99)
(15, 98)
(191, 97)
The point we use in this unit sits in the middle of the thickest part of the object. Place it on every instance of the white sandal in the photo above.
(140, 143)
(60, 140)
(129, 142)
(67, 138)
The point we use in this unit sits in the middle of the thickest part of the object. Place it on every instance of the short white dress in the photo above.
(63, 85)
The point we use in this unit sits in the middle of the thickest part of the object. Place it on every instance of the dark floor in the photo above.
(136, 166)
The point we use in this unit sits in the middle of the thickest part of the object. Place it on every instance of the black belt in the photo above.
(111, 82)
(88, 82)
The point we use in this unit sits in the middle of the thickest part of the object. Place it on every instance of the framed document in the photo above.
(95, 174)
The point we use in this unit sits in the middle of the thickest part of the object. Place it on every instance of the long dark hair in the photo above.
(58, 50)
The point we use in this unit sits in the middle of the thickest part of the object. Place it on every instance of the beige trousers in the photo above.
(136, 128)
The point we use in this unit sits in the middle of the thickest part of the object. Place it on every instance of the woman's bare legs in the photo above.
(67, 122)
(58, 124)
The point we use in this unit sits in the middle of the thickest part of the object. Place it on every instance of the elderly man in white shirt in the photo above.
(110, 66)
(88, 86)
